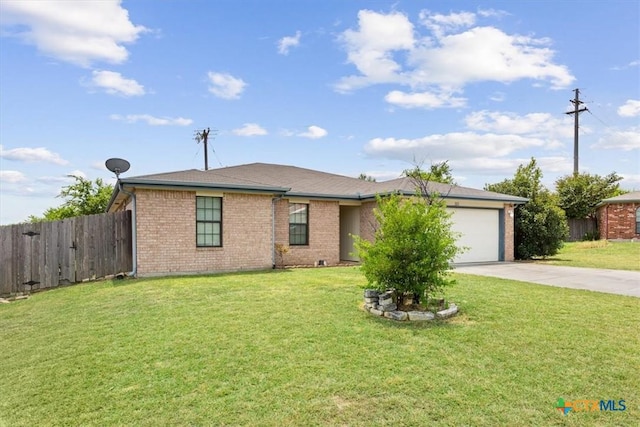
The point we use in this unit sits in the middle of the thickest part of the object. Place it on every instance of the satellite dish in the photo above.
(117, 166)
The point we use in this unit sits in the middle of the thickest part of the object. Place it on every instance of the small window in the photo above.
(638, 221)
(298, 224)
(208, 221)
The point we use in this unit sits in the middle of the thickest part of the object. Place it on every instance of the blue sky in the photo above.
(347, 87)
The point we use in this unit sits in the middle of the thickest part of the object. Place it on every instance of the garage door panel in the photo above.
(480, 233)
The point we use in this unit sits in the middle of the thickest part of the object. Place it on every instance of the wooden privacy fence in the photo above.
(47, 254)
(581, 228)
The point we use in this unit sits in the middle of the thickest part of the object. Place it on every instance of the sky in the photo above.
(346, 87)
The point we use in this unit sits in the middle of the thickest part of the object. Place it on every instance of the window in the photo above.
(208, 221)
(298, 224)
(638, 221)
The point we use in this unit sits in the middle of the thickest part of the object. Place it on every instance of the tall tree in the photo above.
(579, 194)
(438, 172)
(540, 225)
(83, 197)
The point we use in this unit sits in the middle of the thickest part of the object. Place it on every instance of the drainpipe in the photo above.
(134, 230)
(273, 230)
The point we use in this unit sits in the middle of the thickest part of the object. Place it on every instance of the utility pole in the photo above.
(204, 136)
(576, 113)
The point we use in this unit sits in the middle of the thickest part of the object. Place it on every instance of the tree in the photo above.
(540, 225)
(83, 197)
(365, 177)
(438, 172)
(413, 247)
(580, 194)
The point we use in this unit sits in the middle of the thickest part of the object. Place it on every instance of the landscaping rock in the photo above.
(387, 307)
(386, 295)
(452, 310)
(396, 315)
(371, 293)
(4, 301)
(415, 316)
(376, 312)
(371, 300)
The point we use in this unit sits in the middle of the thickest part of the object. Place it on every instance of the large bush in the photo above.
(413, 248)
(540, 225)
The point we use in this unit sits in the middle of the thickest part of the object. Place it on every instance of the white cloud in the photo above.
(441, 24)
(451, 146)
(314, 132)
(625, 140)
(13, 177)
(497, 56)
(114, 84)
(79, 32)
(250, 129)
(629, 65)
(498, 96)
(539, 124)
(423, 99)
(286, 43)
(387, 49)
(371, 47)
(151, 120)
(225, 86)
(32, 155)
(631, 108)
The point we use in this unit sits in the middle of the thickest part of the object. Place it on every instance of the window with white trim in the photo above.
(298, 224)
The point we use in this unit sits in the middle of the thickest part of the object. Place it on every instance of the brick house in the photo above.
(230, 218)
(619, 217)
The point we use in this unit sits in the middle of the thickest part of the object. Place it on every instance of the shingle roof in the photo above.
(296, 181)
(631, 197)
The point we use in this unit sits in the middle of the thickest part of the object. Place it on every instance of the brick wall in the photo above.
(618, 221)
(166, 222)
(509, 232)
(324, 233)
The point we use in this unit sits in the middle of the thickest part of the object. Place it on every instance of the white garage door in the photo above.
(480, 234)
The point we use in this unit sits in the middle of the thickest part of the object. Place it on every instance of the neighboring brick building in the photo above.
(230, 219)
(619, 217)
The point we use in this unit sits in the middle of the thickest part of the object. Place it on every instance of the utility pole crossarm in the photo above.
(204, 136)
(576, 125)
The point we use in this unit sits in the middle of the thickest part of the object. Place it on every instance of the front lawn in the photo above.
(292, 348)
(598, 254)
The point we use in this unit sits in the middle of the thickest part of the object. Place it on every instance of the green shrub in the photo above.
(413, 248)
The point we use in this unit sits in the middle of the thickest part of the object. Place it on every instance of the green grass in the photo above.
(598, 254)
(293, 348)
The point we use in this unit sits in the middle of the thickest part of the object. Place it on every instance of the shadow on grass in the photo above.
(207, 275)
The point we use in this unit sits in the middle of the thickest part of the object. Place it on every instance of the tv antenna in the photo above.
(117, 166)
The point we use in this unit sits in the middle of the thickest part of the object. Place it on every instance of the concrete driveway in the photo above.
(592, 279)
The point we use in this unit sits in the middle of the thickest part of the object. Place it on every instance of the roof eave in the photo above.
(209, 185)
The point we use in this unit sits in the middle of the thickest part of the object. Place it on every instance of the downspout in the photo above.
(134, 229)
(273, 230)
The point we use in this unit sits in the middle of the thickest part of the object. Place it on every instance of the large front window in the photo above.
(638, 221)
(298, 224)
(208, 221)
